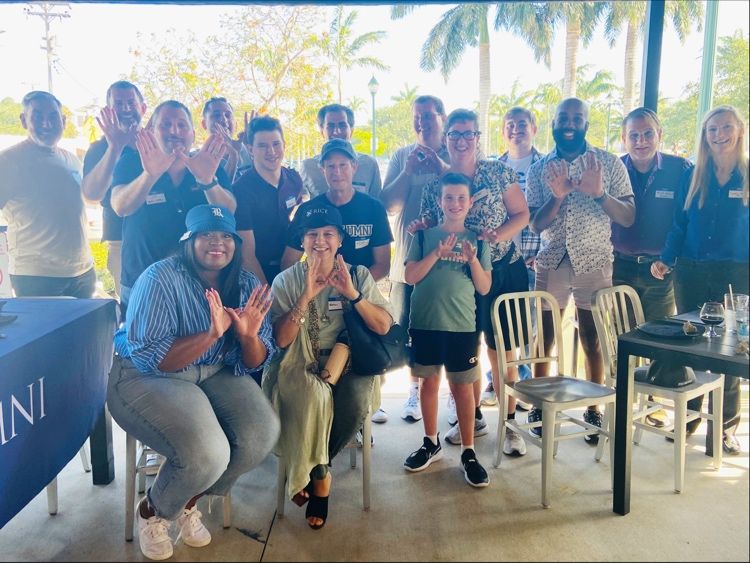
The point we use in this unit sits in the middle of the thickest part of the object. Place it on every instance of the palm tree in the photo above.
(632, 16)
(407, 95)
(535, 23)
(459, 28)
(343, 49)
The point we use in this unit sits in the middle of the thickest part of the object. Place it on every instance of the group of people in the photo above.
(233, 271)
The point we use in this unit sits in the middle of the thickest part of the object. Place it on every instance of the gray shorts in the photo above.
(562, 282)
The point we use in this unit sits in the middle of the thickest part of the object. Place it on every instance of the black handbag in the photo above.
(371, 353)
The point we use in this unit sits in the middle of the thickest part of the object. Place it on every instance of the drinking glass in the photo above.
(742, 324)
(733, 303)
(712, 314)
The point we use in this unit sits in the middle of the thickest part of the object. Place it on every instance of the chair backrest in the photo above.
(518, 306)
(616, 310)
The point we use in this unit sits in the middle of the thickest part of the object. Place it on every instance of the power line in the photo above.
(46, 11)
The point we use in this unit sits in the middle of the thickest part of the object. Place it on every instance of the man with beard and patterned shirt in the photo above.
(575, 193)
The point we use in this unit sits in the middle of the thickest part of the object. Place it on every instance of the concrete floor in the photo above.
(432, 515)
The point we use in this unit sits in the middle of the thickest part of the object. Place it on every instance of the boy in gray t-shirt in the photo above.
(447, 264)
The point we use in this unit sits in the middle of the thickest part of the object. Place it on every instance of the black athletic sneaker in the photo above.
(535, 415)
(424, 456)
(474, 473)
(595, 418)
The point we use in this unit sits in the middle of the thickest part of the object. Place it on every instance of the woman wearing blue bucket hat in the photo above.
(196, 333)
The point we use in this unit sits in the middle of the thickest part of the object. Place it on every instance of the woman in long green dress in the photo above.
(318, 419)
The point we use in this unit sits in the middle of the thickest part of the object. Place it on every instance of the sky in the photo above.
(93, 48)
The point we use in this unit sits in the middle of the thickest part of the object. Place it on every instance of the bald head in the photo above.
(570, 125)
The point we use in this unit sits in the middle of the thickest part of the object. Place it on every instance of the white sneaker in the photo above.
(513, 443)
(488, 397)
(454, 434)
(452, 416)
(358, 438)
(412, 410)
(153, 535)
(379, 416)
(192, 530)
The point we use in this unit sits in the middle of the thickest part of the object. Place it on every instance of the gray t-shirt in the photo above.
(40, 196)
(409, 210)
(366, 178)
(444, 299)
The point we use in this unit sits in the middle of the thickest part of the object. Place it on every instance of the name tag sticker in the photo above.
(361, 243)
(335, 304)
(735, 194)
(291, 202)
(151, 199)
(481, 194)
(664, 194)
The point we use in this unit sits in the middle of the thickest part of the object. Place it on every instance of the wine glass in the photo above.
(712, 314)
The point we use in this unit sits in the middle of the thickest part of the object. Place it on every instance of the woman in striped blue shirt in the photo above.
(195, 334)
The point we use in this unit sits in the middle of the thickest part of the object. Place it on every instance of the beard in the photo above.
(569, 145)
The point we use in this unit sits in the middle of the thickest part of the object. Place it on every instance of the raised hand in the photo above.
(445, 247)
(424, 160)
(418, 225)
(116, 137)
(220, 319)
(154, 160)
(341, 280)
(590, 182)
(315, 281)
(248, 319)
(204, 163)
(556, 176)
(468, 251)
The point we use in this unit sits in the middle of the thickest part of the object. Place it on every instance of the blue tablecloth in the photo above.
(54, 362)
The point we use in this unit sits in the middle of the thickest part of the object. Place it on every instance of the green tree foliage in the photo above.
(730, 87)
(10, 124)
(344, 50)
(268, 58)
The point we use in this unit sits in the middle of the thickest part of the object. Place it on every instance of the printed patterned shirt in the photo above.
(490, 182)
(581, 228)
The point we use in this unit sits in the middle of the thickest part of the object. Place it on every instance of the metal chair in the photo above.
(617, 310)
(352, 447)
(555, 395)
(136, 466)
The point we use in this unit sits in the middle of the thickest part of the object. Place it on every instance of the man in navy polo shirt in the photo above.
(154, 187)
(655, 178)
(119, 121)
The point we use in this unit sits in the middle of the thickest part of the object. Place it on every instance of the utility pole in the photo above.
(46, 11)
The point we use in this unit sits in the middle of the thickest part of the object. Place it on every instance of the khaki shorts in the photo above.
(563, 282)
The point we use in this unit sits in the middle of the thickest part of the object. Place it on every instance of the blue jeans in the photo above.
(211, 425)
(82, 286)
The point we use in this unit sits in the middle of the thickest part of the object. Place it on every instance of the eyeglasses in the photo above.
(468, 135)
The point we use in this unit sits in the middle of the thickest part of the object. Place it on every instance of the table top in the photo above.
(717, 354)
(36, 316)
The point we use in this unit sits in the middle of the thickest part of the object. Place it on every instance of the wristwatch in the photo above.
(357, 299)
(601, 197)
(208, 186)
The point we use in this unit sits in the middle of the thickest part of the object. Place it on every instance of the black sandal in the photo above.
(318, 508)
(300, 499)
